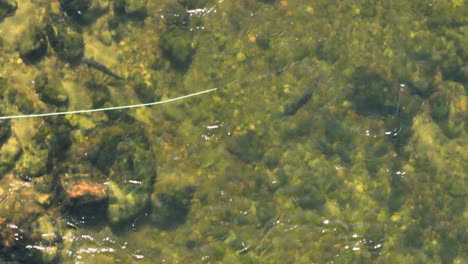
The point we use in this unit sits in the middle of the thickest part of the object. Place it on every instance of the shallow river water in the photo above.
(337, 132)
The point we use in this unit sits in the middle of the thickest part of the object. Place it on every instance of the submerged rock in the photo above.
(448, 107)
(67, 42)
(9, 153)
(18, 209)
(5, 131)
(176, 15)
(32, 163)
(248, 147)
(134, 8)
(84, 11)
(32, 45)
(7, 8)
(171, 209)
(82, 194)
(176, 45)
(48, 228)
(7, 93)
(130, 182)
(79, 189)
(50, 91)
(372, 94)
(75, 7)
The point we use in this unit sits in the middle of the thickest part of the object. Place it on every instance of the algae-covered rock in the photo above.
(3, 87)
(45, 188)
(84, 11)
(100, 94)
(171, 209)
(50, 91)
(248, 147)
(433, 186)
(102, 148)
(100, 248)
(66, 41)
(75, 7)
(458, 118)
(48, 228)
(32, 45)
(41, 143)
(80, 189)
(7, 8)
(448, 107)
(176, 15)
(32, 163)
(5, 131)
(146, 93)
(82, 193)
(308, 196)
(9, 153)
(446, 13)
(134, 8)
(24, 102)
(372, 94)
(130, 181)
(18, 210)
(176, 45)
(6, 92)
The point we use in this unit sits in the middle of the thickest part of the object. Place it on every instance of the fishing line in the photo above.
(108, 108)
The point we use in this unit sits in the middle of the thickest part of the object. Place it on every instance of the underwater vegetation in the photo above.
(338, 133)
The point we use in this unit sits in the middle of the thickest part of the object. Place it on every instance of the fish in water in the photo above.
(100, 67)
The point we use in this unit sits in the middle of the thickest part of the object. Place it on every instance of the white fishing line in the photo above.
(107, 108)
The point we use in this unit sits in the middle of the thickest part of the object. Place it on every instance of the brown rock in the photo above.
(80, 190)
